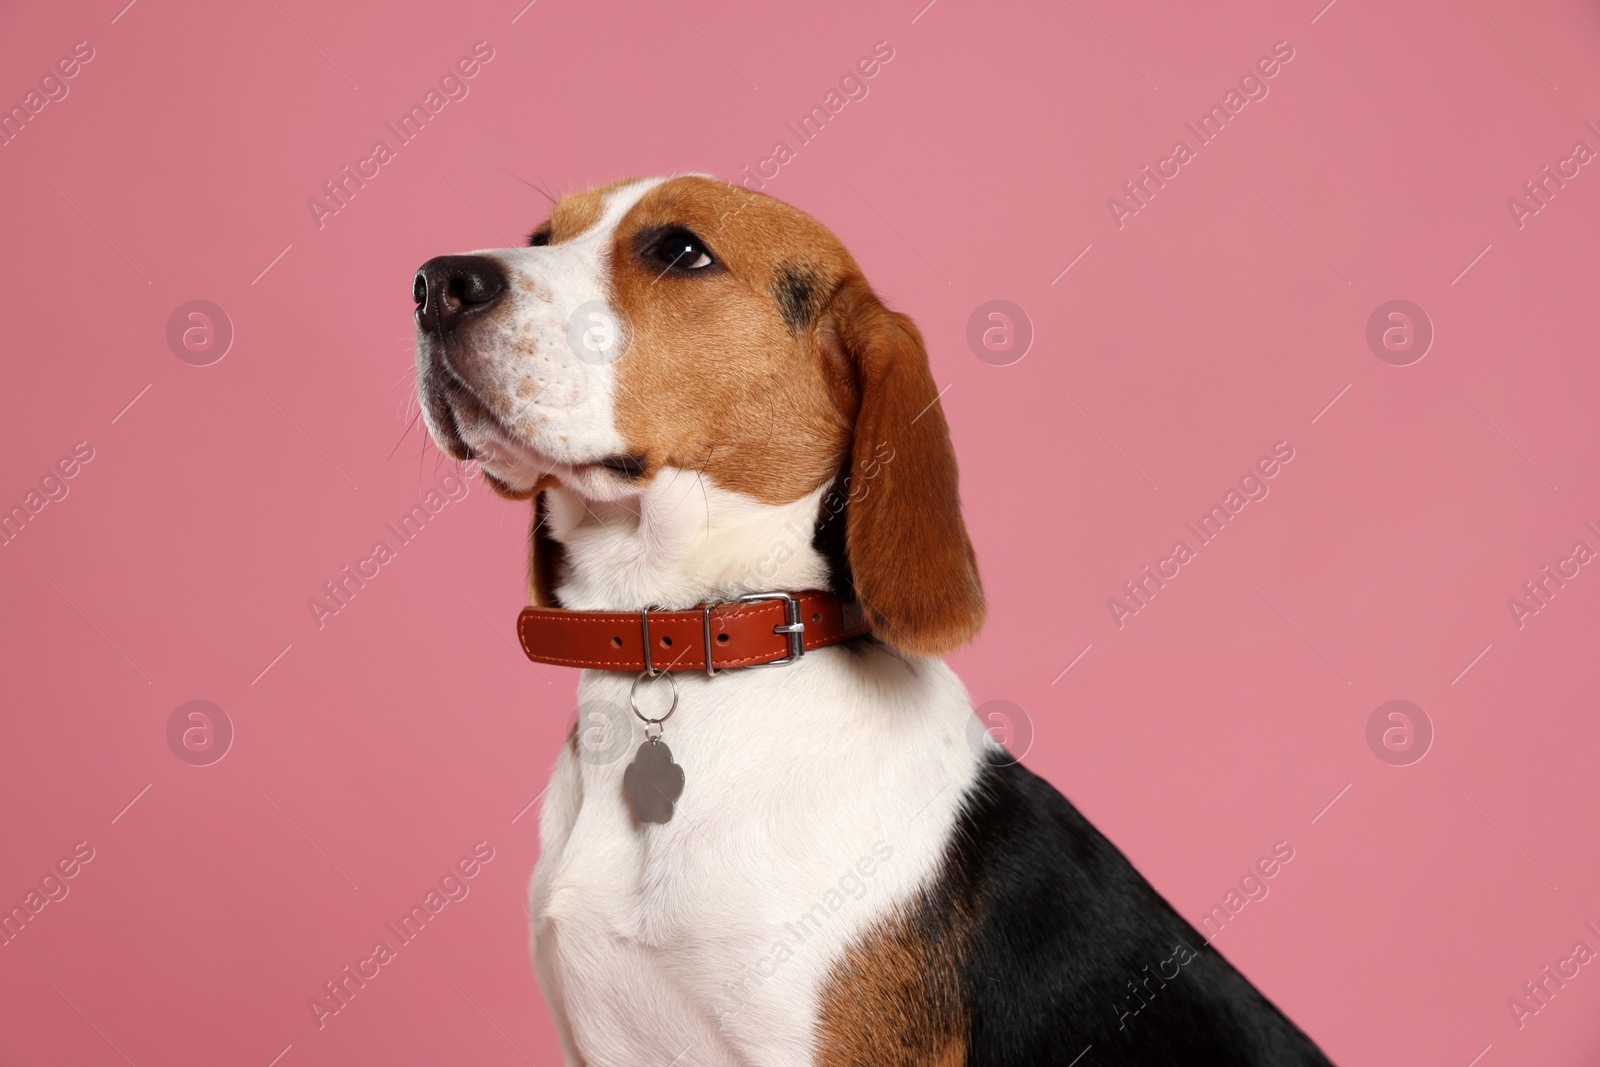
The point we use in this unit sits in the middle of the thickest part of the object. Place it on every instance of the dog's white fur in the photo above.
(547, 409)
(677, 944)
(662, 944)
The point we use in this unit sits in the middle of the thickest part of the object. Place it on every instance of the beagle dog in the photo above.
(825, 862)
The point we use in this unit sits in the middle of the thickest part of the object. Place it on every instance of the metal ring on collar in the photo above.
(633, 697)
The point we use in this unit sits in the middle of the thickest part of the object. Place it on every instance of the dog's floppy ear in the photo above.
(909, 557)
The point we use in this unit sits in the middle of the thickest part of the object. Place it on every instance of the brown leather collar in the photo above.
(762, 629)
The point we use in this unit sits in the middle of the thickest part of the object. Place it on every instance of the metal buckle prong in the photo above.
(711, 670)
(794, 629)
(644, 621)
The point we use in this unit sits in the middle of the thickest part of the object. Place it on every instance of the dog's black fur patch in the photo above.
(828, 535)
(547, 555)
(631, 467)
(797, 293)
(1069, 947)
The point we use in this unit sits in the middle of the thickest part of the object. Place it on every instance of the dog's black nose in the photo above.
(449, 289)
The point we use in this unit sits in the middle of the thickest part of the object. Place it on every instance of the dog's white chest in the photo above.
(816, 796)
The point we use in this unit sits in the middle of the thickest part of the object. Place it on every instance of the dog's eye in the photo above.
(540, 237)
(677, 250)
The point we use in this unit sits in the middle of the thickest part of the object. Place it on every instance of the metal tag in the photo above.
(653, 782)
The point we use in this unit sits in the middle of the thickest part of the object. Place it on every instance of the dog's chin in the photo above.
(512, 467)
(512, 478)
(465, 429)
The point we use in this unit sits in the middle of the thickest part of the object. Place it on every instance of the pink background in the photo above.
(1225, 316)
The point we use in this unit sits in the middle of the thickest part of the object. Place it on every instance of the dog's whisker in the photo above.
(700, 477)
(404, 434)
(591, 511)
(538, 189)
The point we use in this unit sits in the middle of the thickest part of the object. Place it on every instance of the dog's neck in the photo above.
(683, 541)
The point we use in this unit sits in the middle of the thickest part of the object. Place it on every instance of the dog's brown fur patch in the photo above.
(772, 372)
(894, 999)
(715, 378)
(575, 215)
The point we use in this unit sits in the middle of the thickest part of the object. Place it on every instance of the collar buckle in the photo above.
(794, 629)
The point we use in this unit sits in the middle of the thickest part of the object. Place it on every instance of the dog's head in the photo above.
(675, 325)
